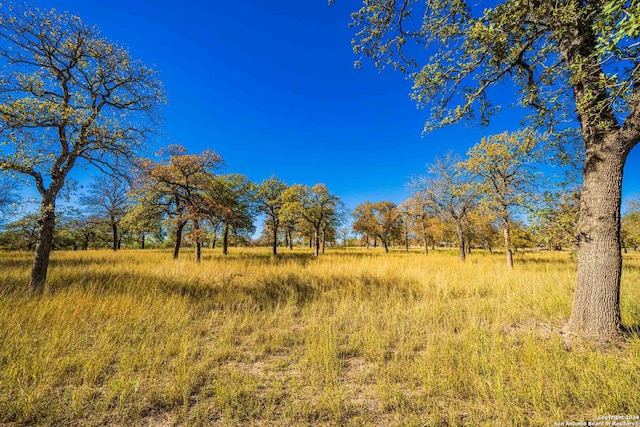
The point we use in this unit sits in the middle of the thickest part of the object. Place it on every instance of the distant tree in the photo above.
(388, 222)
(175, 185)
(269, 201)
(405, 211)
(143, 219)
(313, 206)
(230, 199)
(66, 96)
(421, 221)
(631, 225)
(555, 219)
(522, 236)
(21, 234)
(479, 227)
(8, 198)
(364, 221)
(107, 198)
(506, 164)
(450, 192)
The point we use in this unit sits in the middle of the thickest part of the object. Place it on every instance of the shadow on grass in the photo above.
(631, 331)
(261, 293)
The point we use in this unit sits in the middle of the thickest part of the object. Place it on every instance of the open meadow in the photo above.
(356, 337)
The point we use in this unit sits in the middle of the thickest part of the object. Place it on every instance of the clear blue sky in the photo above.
(270, 86)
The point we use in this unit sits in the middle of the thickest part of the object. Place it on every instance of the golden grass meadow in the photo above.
(356, 337)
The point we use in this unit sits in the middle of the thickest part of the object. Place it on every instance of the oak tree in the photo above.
(269, 201)
(450, 192)
(107, 198)
(564, 59)
(176, 186)
(67, 96)
(506, 163)
(315, 206)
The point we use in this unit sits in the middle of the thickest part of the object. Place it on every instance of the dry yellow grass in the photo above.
(357, 337)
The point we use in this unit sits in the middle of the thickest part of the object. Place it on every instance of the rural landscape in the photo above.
(146, 281)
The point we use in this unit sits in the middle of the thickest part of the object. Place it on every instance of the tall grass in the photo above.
(356, 337)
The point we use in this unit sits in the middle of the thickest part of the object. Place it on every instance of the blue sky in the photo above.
(270, 86)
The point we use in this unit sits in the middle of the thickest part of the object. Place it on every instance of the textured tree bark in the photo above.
(461, 241)
(225, 240)
(275, 241)
(47, 222)
(425, 241)
(316, 250)
(507, 243)
(114, 231)
(178, 242)
(198, 254)
(596, 308)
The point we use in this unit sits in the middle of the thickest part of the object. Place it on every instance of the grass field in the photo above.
(357, 337)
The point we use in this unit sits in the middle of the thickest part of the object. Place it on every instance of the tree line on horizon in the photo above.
(495, 197)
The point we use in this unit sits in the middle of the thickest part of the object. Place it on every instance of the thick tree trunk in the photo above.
(507, 243)
(178, 242)
(596, 304)
(225, 240)
(47, 223)
(323, 241)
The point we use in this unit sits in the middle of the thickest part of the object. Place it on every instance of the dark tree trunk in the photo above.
(114, 231)
(198, 254)
(142, 239)
(178, 242)
(316, 251)
(596, 304)
(47, 223)
(275, 240)
(225, 240)
(507, 243)
(386, 246)
(323, 241)
(461, 241)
